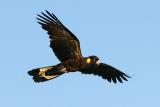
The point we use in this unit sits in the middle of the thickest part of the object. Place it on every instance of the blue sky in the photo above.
(124, 34)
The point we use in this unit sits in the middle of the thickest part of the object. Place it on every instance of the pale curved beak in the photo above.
(98, 62)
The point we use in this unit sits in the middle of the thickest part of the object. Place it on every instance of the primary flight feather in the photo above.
(66, 47)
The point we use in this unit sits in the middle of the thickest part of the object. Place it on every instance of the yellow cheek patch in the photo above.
(88, 60)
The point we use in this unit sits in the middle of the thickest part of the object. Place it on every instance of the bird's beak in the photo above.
(98, 62)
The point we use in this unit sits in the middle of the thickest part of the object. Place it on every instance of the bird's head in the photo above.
(92, 60)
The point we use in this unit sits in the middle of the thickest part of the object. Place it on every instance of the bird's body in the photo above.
(66, 47)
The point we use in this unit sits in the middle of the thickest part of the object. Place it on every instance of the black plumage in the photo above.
(66, 47)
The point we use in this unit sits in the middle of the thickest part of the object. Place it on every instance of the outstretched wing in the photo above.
(107, 72)
(63, 42)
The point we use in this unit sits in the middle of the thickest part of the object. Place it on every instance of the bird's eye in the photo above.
(88, 60)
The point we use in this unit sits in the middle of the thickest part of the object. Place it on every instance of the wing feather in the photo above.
(63, 42)
(107, 72)
(111, 73)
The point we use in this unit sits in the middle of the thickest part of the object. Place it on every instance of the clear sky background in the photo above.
(123, 33)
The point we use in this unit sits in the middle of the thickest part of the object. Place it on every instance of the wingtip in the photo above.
(42, 13)
(40, 23)
(128, 76)
(38, 14)
(47, 11)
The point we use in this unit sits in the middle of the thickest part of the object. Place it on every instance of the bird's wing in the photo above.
(107, 72)
(62, 41)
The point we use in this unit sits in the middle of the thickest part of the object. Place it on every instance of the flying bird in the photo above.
(66, 47)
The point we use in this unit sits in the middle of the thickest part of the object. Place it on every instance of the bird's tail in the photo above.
(46, 73)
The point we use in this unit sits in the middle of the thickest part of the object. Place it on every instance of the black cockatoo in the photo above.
(66, 47)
